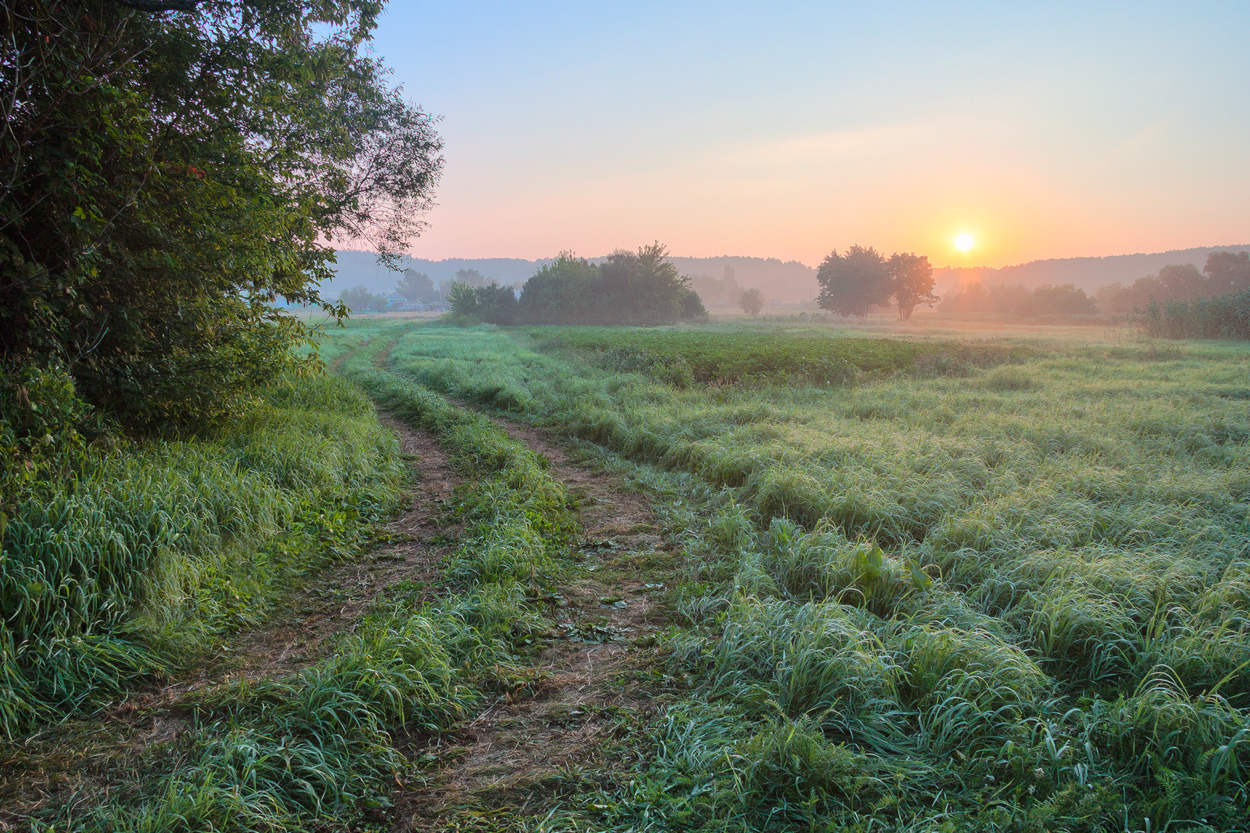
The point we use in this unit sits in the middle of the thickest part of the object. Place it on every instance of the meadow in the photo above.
(136, 557)
(940, 583)
(991, 584)
(156, 555)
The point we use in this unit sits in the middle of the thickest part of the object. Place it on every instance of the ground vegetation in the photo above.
(989, 597)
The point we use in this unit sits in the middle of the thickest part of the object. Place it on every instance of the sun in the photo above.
(964, 242)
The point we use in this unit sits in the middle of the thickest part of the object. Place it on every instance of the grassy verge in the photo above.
(132, 565)
(322, 748)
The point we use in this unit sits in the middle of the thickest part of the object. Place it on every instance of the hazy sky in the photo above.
(787, 130)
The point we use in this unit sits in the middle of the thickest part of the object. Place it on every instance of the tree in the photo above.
(641, 288)
(416, 286)
(165, 177)
(1065, 299)
(751, 300)
(563, 291)
(1182, 280)
(496, 304)
(1227, 272)
(462, 299)
(691, 306)
(911, 282)
(851, 283)
(360, 299)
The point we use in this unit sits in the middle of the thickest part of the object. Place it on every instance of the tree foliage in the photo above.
(165, 177)
(560, 292)
(911, 282)
(360, 299)
(416, 286)
(1064, 299)
(639, 288)
(1225, 273)
(751, 301)
(492, 304)
(1047, 299)
(853, 282)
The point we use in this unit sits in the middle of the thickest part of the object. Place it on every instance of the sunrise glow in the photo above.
(964, 242)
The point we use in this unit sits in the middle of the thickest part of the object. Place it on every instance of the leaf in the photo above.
(919, 579)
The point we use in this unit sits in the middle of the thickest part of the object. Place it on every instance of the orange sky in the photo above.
(1069, 130)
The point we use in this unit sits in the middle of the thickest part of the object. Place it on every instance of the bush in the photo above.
(1065, 299)
(1222, 317)
(41, 418)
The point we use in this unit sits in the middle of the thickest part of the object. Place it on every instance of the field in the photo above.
(963, 582)
(1003, 589)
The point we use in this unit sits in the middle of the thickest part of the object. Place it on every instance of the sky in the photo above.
(792, 129)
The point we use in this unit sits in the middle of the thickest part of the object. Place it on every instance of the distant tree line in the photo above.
(413, 286)
(1225, 274)
(1064, 299)
(635, 288)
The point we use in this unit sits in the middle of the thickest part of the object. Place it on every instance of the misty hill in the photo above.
(787, 281)
(362, 269)
(1086, 273)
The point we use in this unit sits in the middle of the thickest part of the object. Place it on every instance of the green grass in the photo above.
(132, 566)
(321, 748)
(737, 357)
(992, 596)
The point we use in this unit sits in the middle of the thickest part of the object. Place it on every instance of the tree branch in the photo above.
(160, 5)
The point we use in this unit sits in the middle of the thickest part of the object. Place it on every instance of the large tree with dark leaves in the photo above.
(851, 283)
(169, 169)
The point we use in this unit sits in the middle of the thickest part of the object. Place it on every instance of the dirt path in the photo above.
(582, 691)
(503, 761)
(98, 752)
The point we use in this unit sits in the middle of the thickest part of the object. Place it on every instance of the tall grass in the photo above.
(320, 749)
(1223, 317)
(134, 564)
(1015, 597)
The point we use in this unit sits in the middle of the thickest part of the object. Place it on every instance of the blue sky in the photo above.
(740, 128)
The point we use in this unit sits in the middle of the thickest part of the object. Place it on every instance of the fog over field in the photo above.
(788, 282)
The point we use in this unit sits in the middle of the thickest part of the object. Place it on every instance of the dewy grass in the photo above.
(520, 516)
(1015, 596)
(151, 551)
(313, 747)
(317, 749)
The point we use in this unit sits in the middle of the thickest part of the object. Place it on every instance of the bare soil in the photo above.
(503, 762)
